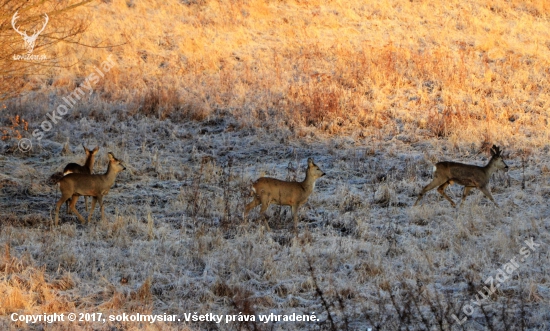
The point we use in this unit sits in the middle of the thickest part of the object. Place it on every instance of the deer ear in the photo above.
(111, 156)
(96, 149)
(309, 161)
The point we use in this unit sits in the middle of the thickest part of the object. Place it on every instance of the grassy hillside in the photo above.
(203, 97)
(469, 71)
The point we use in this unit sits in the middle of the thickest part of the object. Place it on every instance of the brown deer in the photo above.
(87, 168)
(469, 176)
(267, 191)
(96, 186)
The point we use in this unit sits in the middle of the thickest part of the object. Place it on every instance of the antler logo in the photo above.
(29, 40)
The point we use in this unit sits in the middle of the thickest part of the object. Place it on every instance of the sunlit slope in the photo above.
(467, 70)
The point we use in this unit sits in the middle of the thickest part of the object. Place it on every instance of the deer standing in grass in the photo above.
(469, 176)
(87, 168)
(267, 191)
(96, 186)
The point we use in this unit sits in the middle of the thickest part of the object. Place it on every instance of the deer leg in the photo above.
(86, 203)
(75, 198)
(435, 183)
(63, 199)
(251, 206)
(72, 207)
(441, 190)
(94, 199)
(295, 218)
(264, 200)
(266, 224)
(488, 194)
(467, 190)
(100, 200)
(67, 204)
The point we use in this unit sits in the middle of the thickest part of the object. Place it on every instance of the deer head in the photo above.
(496, 154)
(29, 40)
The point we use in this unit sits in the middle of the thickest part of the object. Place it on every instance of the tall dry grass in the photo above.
(470, 71)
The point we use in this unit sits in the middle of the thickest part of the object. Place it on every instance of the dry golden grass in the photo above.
(469, 71)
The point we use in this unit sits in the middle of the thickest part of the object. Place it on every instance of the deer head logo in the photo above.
(29, 40)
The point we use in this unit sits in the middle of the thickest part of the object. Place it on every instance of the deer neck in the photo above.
(309, 183)
(490, 167)
(110, 175)
(90, 163)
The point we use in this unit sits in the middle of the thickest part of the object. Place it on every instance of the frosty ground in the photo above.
(174, 240)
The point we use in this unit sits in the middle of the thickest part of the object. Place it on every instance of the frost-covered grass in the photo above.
(174, 230)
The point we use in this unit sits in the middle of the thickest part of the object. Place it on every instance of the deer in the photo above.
(267, 191)
(87, 168)
(469, 176)
(29, 40)
(96, 186)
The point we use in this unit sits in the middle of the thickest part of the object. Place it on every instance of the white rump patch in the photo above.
(67, 172)
(434, 169)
